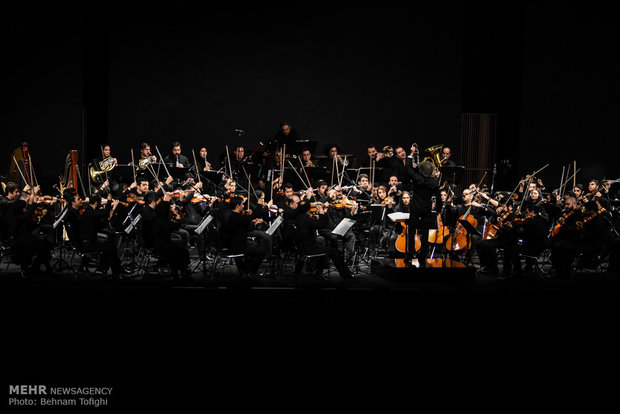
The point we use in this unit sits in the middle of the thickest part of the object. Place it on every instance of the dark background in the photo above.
(76, 76)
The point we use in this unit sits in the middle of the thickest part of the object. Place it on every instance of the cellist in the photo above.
(474, 213)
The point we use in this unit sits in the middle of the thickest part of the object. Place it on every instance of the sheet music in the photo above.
(343, 226)
(276, 223)
(398, 216)
(204, 224)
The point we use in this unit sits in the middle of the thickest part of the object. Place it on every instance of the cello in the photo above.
(401, 240)
(460, 239)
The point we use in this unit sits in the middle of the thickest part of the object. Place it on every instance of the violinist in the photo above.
(93, 236)
(530, 239)
(597, 192)
(29, 238)
(156, 235)
(381, 227)
(564, 241)
(578, 193)
(395, 188)
(235, 235)
(362, 191)
(340, 208)
(321, 191)
(595, 228)
(307, 233)
(8, 211)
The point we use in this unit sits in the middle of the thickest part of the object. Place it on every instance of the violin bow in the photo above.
(161, 160)
(196, 165)
(133, 167)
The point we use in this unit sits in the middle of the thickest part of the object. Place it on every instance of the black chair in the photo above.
(306, 258)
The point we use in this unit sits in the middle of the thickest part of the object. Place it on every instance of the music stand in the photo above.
(454, 175)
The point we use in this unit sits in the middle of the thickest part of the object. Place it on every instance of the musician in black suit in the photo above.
(307, 233)
(93, 222)
(176, 159)
(156, 233)
(421, 218)
(235, 235)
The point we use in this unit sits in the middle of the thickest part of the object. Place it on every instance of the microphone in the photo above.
(494, 168)
(239, 131)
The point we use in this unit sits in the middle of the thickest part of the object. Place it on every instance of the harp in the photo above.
(20, 169)
(70, 177)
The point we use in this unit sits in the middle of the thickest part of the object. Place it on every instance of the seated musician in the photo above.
(312, 244)
(381, 226)
(306, 158)
(8, 212)
(395, 188)
(203, 164)
(176, 159)
(473, 209)
(286, 135)
(321, 191)
(31, 248)
(93, 221)
(235, 235)
(446, 155)
(156, 234)
(362, 192)
(112, 176)
(403, 206)
(565, 239)
(340, 208)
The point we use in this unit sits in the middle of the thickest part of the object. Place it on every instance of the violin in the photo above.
(134, 198)
(587, 219)
(561, 222)
(342, 203)
(49, 200)
(387, 200)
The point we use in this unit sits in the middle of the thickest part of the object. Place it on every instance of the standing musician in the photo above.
(286, 135)
(446, 155)
(421, 218)
(176, 159)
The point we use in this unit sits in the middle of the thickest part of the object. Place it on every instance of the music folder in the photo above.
(398, 217)
(343, 226)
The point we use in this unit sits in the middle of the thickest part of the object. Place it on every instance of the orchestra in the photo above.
(156, 204)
